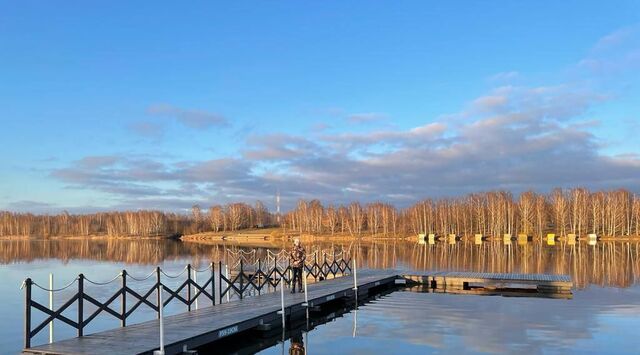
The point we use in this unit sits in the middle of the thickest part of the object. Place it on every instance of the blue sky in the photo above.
(114, 105)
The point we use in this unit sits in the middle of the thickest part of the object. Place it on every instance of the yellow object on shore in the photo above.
(523, 238)
(478, 238)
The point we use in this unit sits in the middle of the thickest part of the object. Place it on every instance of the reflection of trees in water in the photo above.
(605, 264)
(128, 251)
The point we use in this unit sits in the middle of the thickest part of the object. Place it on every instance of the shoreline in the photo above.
(276, 235)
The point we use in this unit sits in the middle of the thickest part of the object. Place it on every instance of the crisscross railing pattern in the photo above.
(258, 275)
(193, 291)
(238, 278)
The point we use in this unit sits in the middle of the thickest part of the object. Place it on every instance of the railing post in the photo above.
(220, 281)
(51, 306)
(306, 294)
(27, 313)
(324, 273)
(315, 264)
(241, 275)
(159, 286)
(80, 304)
(355, 276)
(195, 287)
(160, 307)
(289, 271)
(282, 303)
(189, 287)
(123, 303)
(213, 285)
(259, 271)
(227, 274)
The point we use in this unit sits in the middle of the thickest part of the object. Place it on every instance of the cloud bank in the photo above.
(515, 138)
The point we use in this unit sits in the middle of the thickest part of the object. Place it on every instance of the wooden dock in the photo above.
(197, 328)
(450, 280)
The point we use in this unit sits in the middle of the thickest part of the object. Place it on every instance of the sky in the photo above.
(113, 105)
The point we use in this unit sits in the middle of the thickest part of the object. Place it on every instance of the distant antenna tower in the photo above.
(278, 206)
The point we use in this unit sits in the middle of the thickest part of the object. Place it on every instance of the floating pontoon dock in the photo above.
(203, 326)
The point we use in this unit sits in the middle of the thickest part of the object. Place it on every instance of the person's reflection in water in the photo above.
(297, 344)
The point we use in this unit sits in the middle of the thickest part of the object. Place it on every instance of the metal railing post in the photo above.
(220, 282)
(123, 303)
(306, 297)
(227, 275)
(355, 276)
(27, 313)
(289, 273)
(213, 284)
(51, 307)
(282, 302)
(241, 275)
(189, 287)
(315, 264)
(159, 285)
(160, 313)
(259, 272)
(195, 289)
(325, 274)
(80, 305)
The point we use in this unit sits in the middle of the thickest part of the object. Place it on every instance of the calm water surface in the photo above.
(603, 316)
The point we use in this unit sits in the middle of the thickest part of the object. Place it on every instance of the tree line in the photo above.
(230, 217)
(577, 210)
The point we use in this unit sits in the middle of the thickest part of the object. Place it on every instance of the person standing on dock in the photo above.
(298, 255)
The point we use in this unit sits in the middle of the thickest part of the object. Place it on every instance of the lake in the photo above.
(602, 316)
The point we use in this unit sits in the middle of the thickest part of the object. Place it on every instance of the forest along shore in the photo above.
(608, 214)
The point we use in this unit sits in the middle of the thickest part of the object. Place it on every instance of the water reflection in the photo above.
(604, 264)
(406, 322)
(472, 318)
(596, 321)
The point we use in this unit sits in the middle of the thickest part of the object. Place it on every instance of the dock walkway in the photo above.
(205, 325)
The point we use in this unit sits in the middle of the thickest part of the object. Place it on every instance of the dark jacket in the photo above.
(298, 255)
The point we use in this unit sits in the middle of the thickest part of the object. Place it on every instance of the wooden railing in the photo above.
(256, 276)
